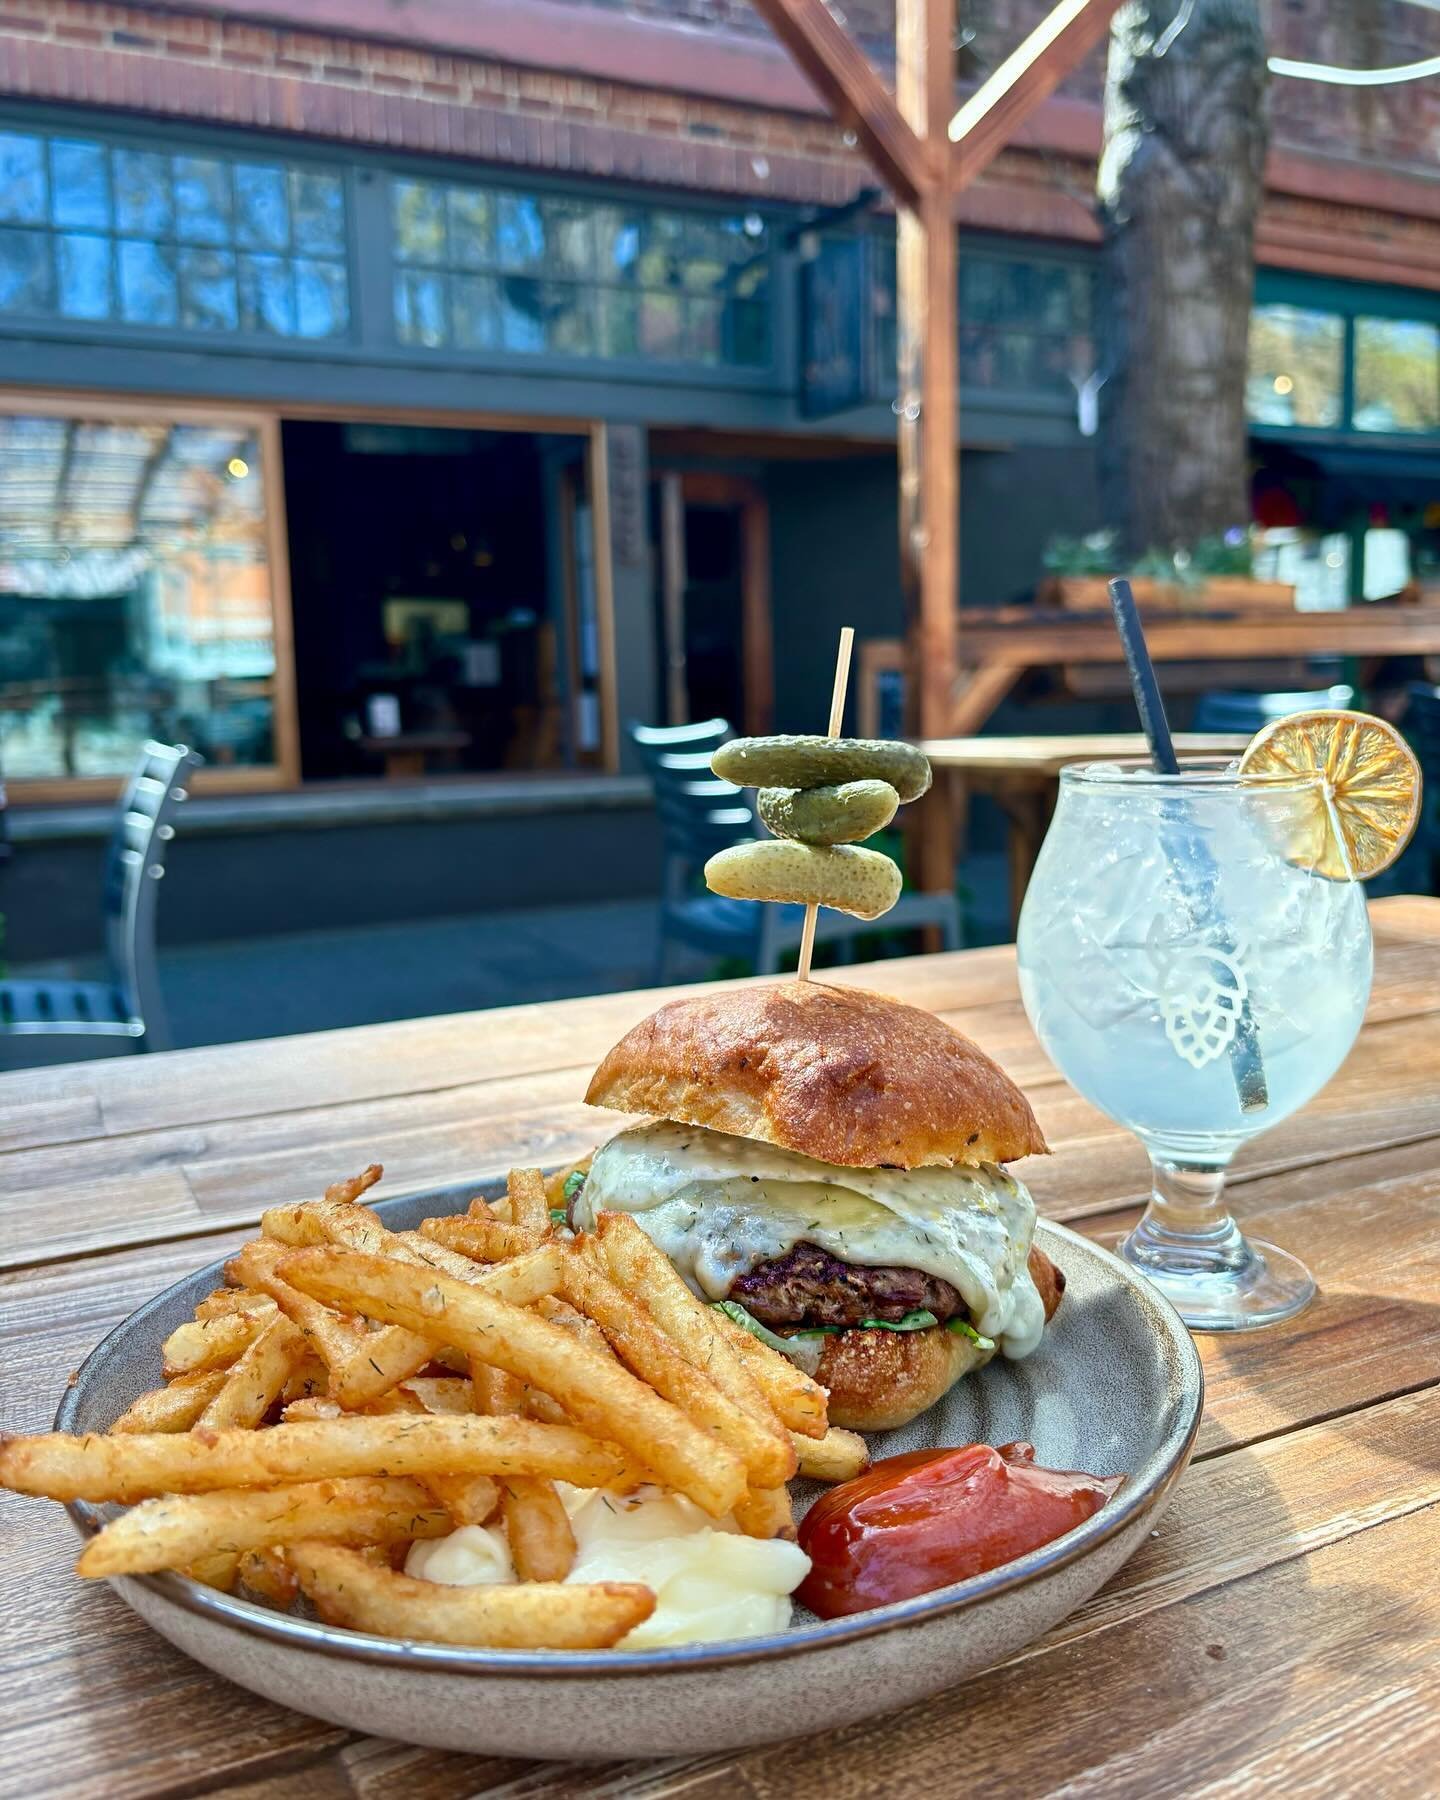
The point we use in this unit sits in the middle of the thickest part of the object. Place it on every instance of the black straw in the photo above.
(1246, 1063)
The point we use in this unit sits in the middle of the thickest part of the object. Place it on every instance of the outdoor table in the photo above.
(1279, 1632)
(1021, 775)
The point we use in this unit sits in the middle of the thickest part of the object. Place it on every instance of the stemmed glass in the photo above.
(1189, 971)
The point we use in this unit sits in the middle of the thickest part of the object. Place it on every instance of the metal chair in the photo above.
(700, 814)
(129, 1004)
(1239, 715)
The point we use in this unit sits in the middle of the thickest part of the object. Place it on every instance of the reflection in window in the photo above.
(94, 230)
(1296, 366)
(1025, 325)
(135, 596)
(498, 270)
(1397, 375)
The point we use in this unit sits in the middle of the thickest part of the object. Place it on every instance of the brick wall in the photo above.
(199, 64)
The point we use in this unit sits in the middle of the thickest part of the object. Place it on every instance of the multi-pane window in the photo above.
(94, 230)
(490, 269)
(1397, 375)
(1297, 366)
(135, 592)
(1027, 323)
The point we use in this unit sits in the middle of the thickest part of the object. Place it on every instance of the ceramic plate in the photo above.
(1115, 1386)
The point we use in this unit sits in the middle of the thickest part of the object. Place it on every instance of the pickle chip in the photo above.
(842, 876)
(846, 814)
(809, 762)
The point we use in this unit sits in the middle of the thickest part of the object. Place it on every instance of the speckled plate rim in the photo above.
(1147, 1487)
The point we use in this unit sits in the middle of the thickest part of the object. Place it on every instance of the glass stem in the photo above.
(1186, 1226)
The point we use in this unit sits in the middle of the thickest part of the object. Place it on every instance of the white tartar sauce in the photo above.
(709, 1580)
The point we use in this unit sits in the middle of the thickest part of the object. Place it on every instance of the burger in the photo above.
(825, 1165)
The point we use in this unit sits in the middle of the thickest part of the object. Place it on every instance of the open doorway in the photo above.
(713, 599)
(437, 596)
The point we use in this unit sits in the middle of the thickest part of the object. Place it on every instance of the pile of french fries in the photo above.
(354, 1389)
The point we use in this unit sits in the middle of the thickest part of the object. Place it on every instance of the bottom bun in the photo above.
(881, 1379)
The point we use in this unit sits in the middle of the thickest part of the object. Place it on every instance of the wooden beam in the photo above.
(997, 109)
(840, 73)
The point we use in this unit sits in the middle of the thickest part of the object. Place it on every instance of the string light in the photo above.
(1305, 71)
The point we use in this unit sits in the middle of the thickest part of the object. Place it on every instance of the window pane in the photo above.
(1295, 371)
(1397, 375)
(142, 193)
(660, 325)
(569, 319)
(472, 228)
(80, 183)
(202, 200)
(703, 330)
(619, 323)
(477, 311)
(617, 243)
(569, 241)
(262, 208)
(522, 314)
(267, 295)
(322, 299)
(25, 275)
(135, 595)
(420, 308)
(520, 232)
(84, 269)
(419, 211)
(207, 290)
(318, 211)
(147, 284)
(22, 178)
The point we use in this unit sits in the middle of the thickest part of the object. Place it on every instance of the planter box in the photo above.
(1228, 593)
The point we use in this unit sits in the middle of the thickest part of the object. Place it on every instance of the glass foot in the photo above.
(1230, 1283)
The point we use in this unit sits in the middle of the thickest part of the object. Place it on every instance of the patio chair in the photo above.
(700, 814)
(1241, 715)
(129, 1003)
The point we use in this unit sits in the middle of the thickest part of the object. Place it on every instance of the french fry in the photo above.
(468, 1499)
(202, 1344)
(767, 1393)
(234, 1300)
(597, 1393)
(217, 1571)
(637, 1339)
(838, 1456)
(529, 1209)
(561, 1312)
(487, 1240)
(175, 1407)
(799, 1402)
(254, 1384)
(765, 1513)
(362, 1364)
(181, 1530)
(346, 1590)
(355, 1185)
(423, 1250)
(140, 1465)
(267, 1575)
(442, 1393)
(312, 1406)
(481, 1208)
(542, 1545)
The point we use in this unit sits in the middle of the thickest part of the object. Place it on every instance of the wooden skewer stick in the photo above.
(837, 714)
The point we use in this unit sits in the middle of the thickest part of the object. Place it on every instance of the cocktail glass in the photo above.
(1190, 973)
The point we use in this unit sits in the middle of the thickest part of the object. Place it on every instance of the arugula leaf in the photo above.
(573, 1184)
(558, 1216)
(966, 1329)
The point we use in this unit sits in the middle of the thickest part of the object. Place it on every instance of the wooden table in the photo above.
(1021, 775)
(1280, 1633)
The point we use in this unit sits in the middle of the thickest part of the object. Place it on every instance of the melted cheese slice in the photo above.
(717, 1205)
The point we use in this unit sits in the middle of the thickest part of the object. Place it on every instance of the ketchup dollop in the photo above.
(917, 1522)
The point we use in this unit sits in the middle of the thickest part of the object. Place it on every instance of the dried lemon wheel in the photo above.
(1371, 797)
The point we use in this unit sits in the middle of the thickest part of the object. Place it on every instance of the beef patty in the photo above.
(808, 1286)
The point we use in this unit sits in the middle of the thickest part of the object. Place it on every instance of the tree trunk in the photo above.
(1180, 181)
